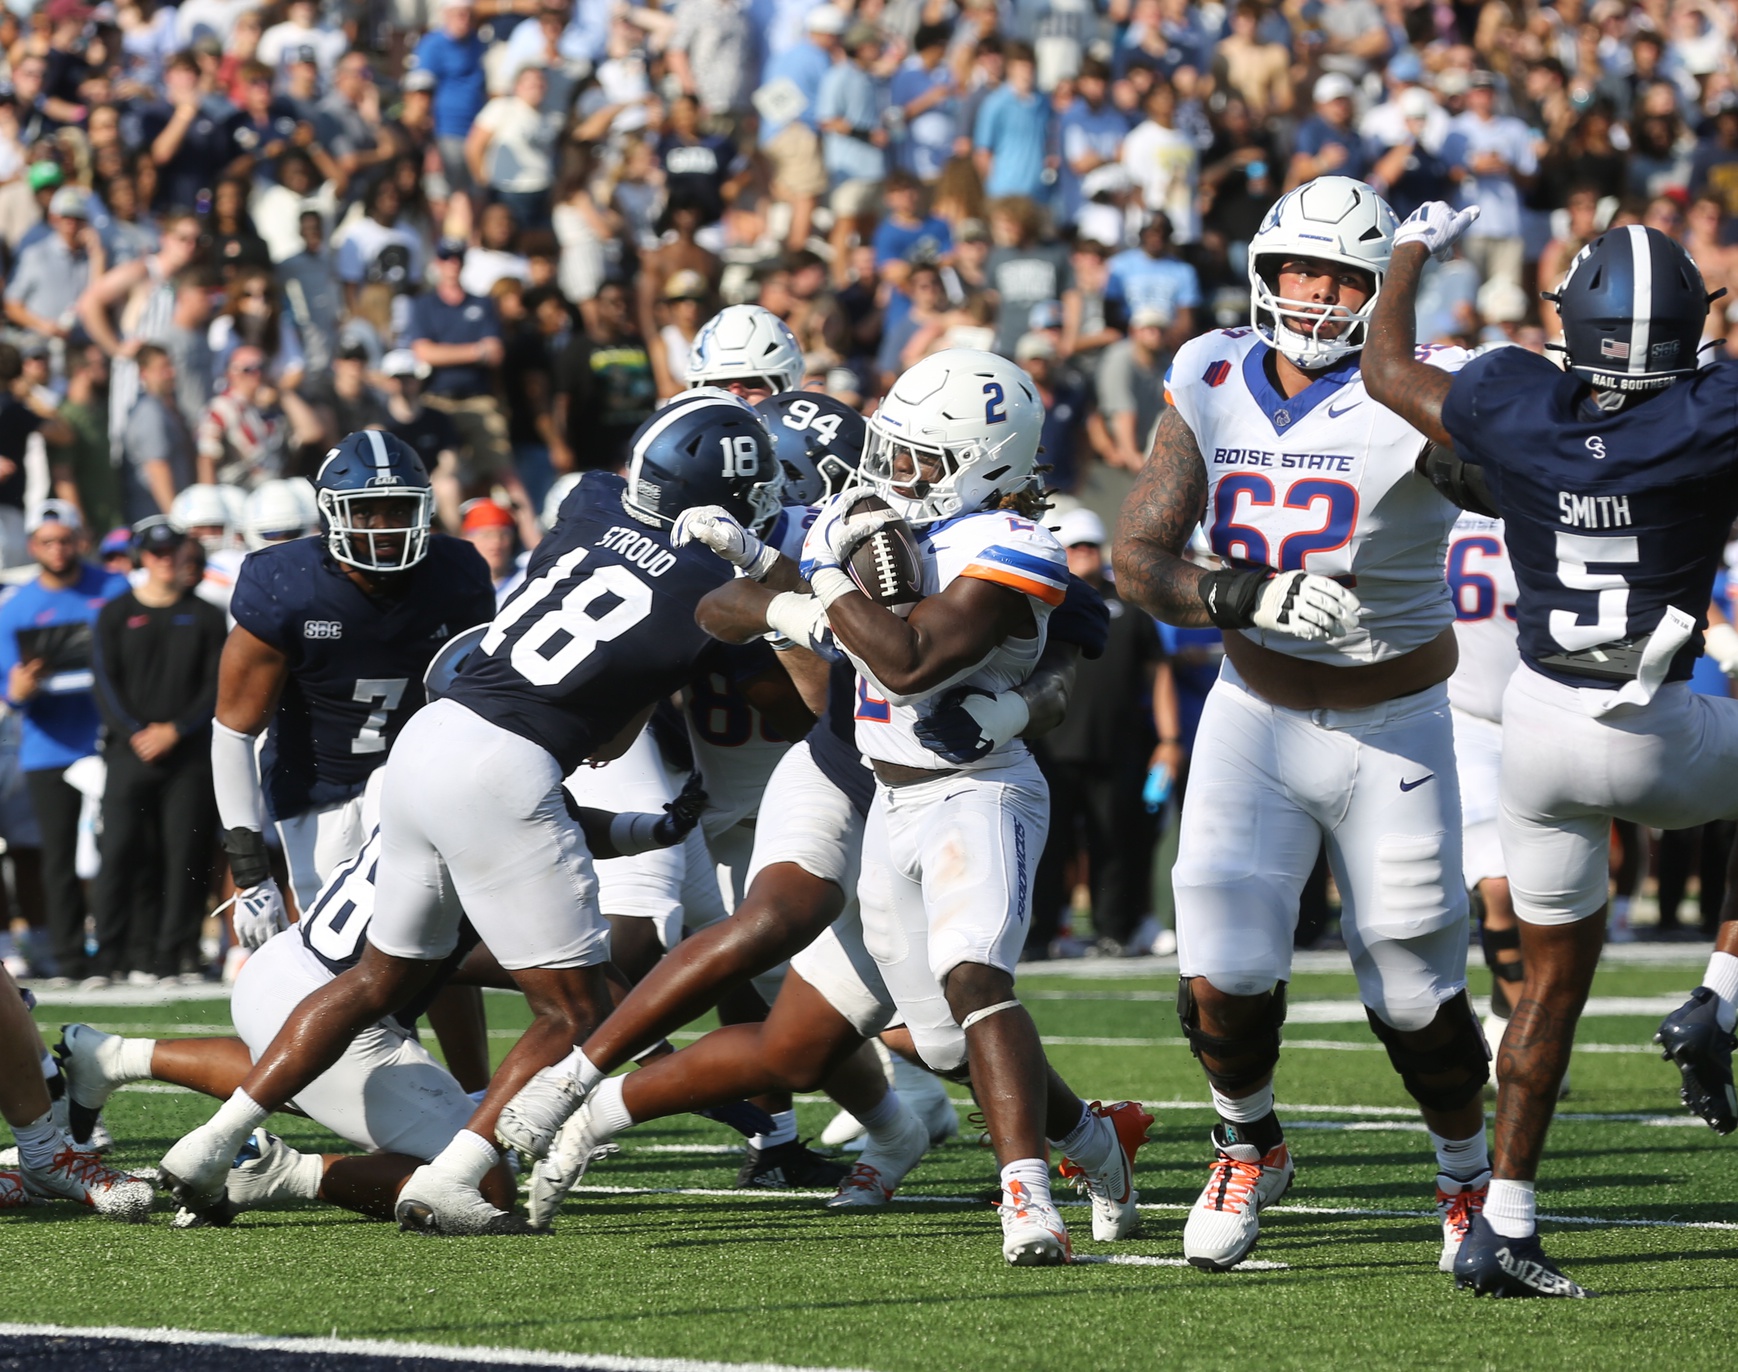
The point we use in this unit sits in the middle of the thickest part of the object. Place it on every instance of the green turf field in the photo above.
(656, 1259)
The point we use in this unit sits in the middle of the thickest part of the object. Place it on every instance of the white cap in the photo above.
(402, 362)
(1150, 318)
(1080, 525)
(826, 19)
(1334, 86)
(53, 512)
(1416, 103)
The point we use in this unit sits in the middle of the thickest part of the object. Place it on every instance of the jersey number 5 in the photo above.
(566, 632)
(1575, 554)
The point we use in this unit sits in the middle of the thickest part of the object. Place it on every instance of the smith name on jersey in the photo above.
(356, 661)
(1611, 519)
(1324, 481)
(602, 627)
(992, 545)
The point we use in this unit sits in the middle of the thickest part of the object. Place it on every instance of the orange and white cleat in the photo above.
(1222, 1228)
(1111, 1188)
(13, 1195)
(1033, 1234)
(872, 1182)
(1457, 1202)
(81, 1176)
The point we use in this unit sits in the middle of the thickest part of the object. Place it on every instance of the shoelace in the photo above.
(85, 1168)
(1235, 1181)
(1461, 1208)
(864, 1177)
(12, 1192)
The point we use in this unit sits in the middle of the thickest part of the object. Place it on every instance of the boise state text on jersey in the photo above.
(1324, 481)
(602, 627)
(356, 661)
(1610, 518)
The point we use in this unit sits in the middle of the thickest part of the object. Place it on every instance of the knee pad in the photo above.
(1494, 941)
(1449, 1075)
(943, 1053)
(1253, 1055)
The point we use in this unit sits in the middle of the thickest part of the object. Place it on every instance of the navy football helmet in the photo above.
(818, 441)
(706, 447)
(1633, 307)
(375, 502)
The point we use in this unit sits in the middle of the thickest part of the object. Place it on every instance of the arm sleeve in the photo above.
(117, 713)
(235, 779)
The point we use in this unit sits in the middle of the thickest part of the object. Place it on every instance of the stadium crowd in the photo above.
(233, 233)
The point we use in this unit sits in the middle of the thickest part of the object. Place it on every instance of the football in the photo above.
(887, 566)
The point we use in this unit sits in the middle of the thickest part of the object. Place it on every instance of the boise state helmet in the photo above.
(746, 343)
(1633, 307)
(706, 447)
(818, 442)
(370, 468)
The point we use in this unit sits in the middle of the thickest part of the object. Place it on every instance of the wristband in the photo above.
(829, 584)
(1005, 716)
(762, 562)
(248, 862)
(1230, 597)
(797, 617)
(631, 834)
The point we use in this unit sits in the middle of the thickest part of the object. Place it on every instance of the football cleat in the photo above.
(1111, 1188)
(261, 1175)
(1692, 1038)
(87, 1061)
(14, 1195)
(532, 1118)
(872, 1182)
(576, 1147)
(80, 1176)
(433, 1202)
(1033, 1234)
(1222, 1228)
(1458, 1203)
(793, 1164)
(1492, 1265)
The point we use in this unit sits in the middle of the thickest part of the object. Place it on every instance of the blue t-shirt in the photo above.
(923, 241)
(1016, 133)
(460, 90)
(1315, 133)
(1081, 130)
(470, 321)
(1195, 656)
(60, 721)
(1140, 282)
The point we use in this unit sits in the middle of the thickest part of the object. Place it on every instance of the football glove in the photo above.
(1721, 641)
(969, 723)
(1437, 226)
(682, 813)
(258, 914)
(716, 528)
(1301, 604)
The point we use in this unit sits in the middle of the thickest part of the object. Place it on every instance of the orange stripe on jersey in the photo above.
(1050, 595)
(1168, 400)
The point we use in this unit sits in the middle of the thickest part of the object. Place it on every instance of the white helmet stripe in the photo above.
(382, 458)
(1642, 263)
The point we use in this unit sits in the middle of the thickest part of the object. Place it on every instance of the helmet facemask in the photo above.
(1305, 346)
(371, 549)
(968, 477)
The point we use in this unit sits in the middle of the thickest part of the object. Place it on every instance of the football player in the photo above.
(1617, 481)
(280, 510)
(1330, 723)
(473, 813)
(746, 350)
(331, 640)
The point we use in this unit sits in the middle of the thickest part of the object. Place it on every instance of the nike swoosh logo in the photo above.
(955, 796)
(1414, 785)
(1335, 414)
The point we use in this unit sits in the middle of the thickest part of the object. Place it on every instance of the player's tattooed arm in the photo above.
(1168, 500)
(1392, 372)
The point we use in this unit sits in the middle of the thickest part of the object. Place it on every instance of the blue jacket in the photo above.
(60, 720)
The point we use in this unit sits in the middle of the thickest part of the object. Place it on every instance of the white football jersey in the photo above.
(992, 545)
(1483, 585)
(1322, 482)
(735, 747)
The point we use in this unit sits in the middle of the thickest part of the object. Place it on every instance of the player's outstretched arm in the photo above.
(736, 611)
(1392, 372)
(1160, 514)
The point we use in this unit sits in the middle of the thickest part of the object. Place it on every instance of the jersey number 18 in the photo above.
(565, 633)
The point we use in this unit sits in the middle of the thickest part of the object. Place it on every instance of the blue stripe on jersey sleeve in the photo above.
(1052, 572)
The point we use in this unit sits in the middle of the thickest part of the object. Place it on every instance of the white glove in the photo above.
(1721, 641)
(1306, 606)
(718, 529)
(1436, 225)
(258, 914)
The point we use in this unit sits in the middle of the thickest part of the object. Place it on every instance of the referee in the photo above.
(155, 662)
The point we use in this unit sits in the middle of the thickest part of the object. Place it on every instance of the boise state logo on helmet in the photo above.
(818, 442)
(1633, 307)
(375, 503)
(706, 447)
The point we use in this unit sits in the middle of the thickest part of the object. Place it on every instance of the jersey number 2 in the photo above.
(567, 624)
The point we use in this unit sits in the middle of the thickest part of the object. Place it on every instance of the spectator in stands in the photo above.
(245, 433)
(604, 388)
(1131, 388)
(1153, 279)
(1011, 135)
(80, 468)
(458, 337)
(454, 55)
(1090, 134)
(1163, 161)
(157, 448)
(23, 412)
(923, 91)
(714, 56)
(790, 133)
(1327, 143)
(1493, 155)
(848, 108)
(510, 149)
(1064, 444)
(155, 668)
(1022, 271)
(50, 275)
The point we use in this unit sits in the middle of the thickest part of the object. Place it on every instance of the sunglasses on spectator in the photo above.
(250, 368)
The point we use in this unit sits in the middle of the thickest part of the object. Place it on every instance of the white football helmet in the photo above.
(742, 342)
(1333, 218)
(974, 411)
(280, 510)
(559, 490)
(216, 512)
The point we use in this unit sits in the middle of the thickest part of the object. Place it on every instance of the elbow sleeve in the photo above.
(235, 778)
(1459, 483)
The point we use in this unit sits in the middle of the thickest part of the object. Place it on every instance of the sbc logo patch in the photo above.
(322, 628)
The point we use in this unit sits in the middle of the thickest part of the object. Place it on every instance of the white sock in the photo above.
(236, 1118)
(1511, 1207)
(38, 1142)
(1462, 1159)
(467, 1158)
(131, 1060)
(609, 1111)
(889, 1113)
(1246, 1109)
(1722, 979)
(1088, 1144)
(302, 1181)
(579, 1067)
(1033, 1174)
(784, 1130)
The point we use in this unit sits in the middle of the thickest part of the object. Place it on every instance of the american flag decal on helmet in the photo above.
(1610, 347)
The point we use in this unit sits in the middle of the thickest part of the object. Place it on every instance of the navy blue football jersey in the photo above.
(1081, 619)
(602, 627)
(356, 661)
(1610, 518)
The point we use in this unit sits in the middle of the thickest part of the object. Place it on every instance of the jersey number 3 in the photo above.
(566, 632)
